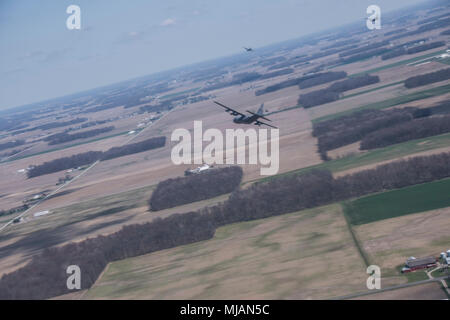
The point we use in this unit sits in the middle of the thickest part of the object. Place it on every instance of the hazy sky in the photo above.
(122, 39)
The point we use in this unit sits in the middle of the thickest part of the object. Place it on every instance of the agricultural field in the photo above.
(319, 253)
(389, 242)
(395, 203)
(355, 160)
(85, 219)
(429, 291)
(286, 257)
(403, 98)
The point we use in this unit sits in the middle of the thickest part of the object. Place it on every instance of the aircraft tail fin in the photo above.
(261, 110)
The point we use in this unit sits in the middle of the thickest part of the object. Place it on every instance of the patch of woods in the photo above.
(439, 108)
(303, 59)
(424, 79)
(85, 158)
(338, 47)
(364, 55)
(160, 107)
(132, 148)
(363, 52)
(379, 128)
(333, 92)
(64, 163)
(11, 144)
(16, 123)
(212, 183)
(425, 47)
(362, 49)
(335, 133)
(271, 61)
(45, 275)
(441, 23)
(338, 44)
(406, 48)
(63, 137)
(13, 210)
(396, 31)
(305, 81)
(244, 77)
(52, 125)
(416, 129)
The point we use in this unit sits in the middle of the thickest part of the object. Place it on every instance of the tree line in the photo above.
(45, 275)
(400, 49)
(364, 55)
(439, 108)
(335, 133)
(416, 129)
(245, 77)
(362, 49)
(318, 187)
(63, 137)
(423, 28)
(89, 157)
(425, 47)
(322, 78)
(52, 125)
(305, 81)
(18, 209)
(333, 92)
(148, 144)
(434, 25)
(11, 144)
(427, 78)
(211, 183)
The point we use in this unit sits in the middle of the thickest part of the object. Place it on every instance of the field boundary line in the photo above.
(356, 241)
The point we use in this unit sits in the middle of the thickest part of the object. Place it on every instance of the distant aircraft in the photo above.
(248, 49)
(247, 119)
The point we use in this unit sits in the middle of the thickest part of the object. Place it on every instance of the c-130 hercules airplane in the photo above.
(247, 119)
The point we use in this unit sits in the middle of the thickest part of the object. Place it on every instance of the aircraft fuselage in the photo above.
(245, 119)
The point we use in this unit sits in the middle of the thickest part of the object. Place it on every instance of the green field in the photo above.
(390, 102)
(395, 203)
(418, 275)
(444, 61)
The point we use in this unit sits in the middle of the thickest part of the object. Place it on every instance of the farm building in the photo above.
(413, 264)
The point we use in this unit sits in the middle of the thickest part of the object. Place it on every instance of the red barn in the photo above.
(413, 264)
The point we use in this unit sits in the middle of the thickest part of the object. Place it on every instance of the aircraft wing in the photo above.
(228, 109)
(258, 123)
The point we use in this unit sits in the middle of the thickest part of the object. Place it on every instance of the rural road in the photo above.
(405, 285)
(78, 176)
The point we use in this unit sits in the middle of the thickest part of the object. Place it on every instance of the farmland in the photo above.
(389, 242)
(317, 253)
(283, 257)
(395, 203)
